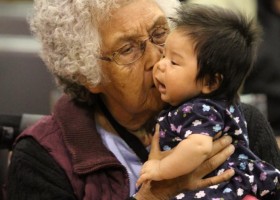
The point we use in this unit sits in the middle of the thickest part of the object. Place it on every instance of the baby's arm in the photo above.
(185, 157)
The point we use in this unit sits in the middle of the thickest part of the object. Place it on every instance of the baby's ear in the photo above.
(211, 85)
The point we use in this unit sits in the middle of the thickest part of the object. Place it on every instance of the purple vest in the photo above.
(70, 137)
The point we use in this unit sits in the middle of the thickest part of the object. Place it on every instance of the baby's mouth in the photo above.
(161, 87)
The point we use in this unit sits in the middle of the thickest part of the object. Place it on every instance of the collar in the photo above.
(85, 145)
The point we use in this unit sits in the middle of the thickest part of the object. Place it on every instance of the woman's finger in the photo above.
(155, 148)
(225, 176)
(218, 135)
(155, 141)
(220, 144)
(214, 162)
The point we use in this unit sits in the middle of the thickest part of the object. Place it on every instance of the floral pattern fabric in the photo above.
(208, 117)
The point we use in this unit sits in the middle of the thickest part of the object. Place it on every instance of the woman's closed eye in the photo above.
(159, 37)
(127, 49)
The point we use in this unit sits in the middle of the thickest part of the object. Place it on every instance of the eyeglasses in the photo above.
(133, 51)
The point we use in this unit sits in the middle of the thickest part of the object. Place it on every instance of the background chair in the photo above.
(10, 127)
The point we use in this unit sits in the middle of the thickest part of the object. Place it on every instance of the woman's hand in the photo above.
(167, 189)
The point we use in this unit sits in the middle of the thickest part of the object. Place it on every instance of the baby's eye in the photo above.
(173, 63)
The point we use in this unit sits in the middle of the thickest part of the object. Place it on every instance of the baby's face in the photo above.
(175, 74)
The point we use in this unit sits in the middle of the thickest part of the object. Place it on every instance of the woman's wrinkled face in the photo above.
(130, 93)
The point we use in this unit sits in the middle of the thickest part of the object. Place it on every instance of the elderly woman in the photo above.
(93, 145)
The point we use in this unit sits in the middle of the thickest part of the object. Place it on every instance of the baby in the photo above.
(205, 61)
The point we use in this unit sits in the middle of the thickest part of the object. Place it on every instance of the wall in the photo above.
(25, 84)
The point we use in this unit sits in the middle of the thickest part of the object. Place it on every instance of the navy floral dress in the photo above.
(204, 116)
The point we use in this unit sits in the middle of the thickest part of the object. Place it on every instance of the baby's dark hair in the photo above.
(225, 43)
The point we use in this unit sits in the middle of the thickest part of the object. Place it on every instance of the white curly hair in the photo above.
(68, 33)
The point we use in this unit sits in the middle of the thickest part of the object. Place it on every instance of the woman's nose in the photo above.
(153, 53)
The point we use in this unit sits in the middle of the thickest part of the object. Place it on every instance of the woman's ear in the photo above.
(211, 85)
(93, 89)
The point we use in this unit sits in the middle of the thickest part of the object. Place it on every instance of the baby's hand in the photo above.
(149, 171)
